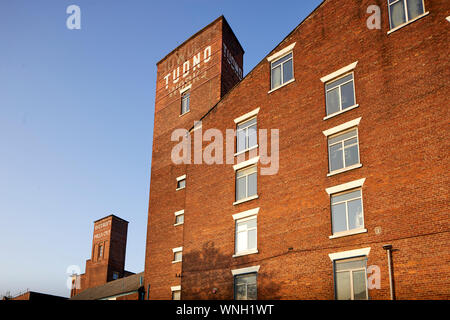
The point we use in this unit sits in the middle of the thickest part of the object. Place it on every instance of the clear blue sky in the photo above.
(76, 119)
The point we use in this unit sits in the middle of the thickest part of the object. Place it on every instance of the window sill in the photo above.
(178, 224)
(245, 200)
(355, 166)
(246, 150)
(245, 253)
(184, 113)
(284, 84)
(178, 261)
(341, 112)
(178, 189)
(347, 233)
(408, 22)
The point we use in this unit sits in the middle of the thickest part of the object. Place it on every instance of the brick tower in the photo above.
(107, 261)
(190, 81)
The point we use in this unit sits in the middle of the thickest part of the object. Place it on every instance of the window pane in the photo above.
(287, 71)
(246, 278)
(348, 264)
(252, 185)
(338, 217)
(247, 171)
(351, 155)
(241, 239)
(355, 214)
(359, 285)
(397, 11)
(333, 101)
(251, 291)
(240, 188)
(241, 140)
(179, 219)
(246, 124)
(252, 239)
(276, 77)
(240, 292)
(341, 137)
(280, 61)
(343, 290)
(415, 8)
(346, 196)
(251, 223)
(252, 136)
(181, 183)
(350, 142)
(176, 295)
(336, 160)
(339, 81)
(347, 95)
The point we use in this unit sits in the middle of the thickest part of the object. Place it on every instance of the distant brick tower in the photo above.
(107, 261)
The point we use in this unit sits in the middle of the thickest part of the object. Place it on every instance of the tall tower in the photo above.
(107, 261)
(190, 81)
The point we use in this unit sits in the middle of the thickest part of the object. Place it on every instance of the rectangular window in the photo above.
(176, 295)
(340, 94)
(245, 286)
(246, 135)
(179, 219)
(246, 183)
(181, 184)
(282, 71)
(246, 235)
(177, 256)
(347, 211)
(100, 251)
(185, 98)
(350, 279)
(343, 150)
(402, 11)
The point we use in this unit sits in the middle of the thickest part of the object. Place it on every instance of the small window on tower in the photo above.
(100, 251)
(115, 275)
(185, 99)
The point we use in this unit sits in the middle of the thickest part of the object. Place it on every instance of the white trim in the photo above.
(281, 86)
(178, 213)
(355, 166)
(342, 127)
(281, 53)
(246, 150)
(349, 254)
(345, 186)
(247, 116)
(245, 200)
(183, 177)
(185, 89)
(245, 253)
(340, 112)
(184, 113)
(178, 189)
(339, 72)
(448, 18)
(245, 270)
(175, 288)
(247, 163)
(245, 214)
(348, 233)
(177, 249)
(408, 22)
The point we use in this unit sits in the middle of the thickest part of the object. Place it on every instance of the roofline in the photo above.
(265, 57)
(111, 215)
(197, 33)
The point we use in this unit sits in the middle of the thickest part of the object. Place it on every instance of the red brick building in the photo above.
(104, 272)
(359, 117)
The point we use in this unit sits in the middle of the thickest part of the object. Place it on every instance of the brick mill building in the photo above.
(358, 208)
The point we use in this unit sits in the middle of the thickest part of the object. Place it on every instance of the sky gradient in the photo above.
(76, 119)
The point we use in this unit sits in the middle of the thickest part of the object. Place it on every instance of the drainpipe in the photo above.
(388, 249)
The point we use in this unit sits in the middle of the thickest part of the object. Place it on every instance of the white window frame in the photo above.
(355, 105)
(176, 250)
(175, 289)
(181, 178)
(347, 232)
(242, 167)
(183, 95)
(351, 270)
(407, 20)
(246, 135)
(243, 217)
(277, 56)
(346, 255)
(345, 168)
(344, 188)
(179, 213)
